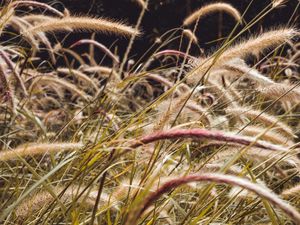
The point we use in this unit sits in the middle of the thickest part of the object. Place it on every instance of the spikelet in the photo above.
(270, 135)
(286, 92)
(241, 193)
(43, 199)
(169, 110)
(6, 14)
(254, 45)
(294, 191)
(211, 8)
(277, 3)
(38, 149)
(240, 67)
(263, 118)
(84, 24)
(190, 35)
(255, 154)
(226, 96)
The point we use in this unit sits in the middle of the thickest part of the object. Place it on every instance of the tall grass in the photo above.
(172, 138)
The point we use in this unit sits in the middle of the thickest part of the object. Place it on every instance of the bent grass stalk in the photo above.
(206, 134)
(211, 8)
(37, 4)
(263, 192)
(189, 34)
(98, 45)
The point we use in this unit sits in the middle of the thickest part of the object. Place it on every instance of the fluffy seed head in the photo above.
(211, 8)
(84, 24)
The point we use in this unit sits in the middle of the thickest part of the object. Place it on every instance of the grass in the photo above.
(173, 138)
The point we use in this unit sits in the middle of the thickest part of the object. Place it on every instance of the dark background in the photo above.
(164, 15)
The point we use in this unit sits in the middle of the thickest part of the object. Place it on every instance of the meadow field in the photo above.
(149, 112)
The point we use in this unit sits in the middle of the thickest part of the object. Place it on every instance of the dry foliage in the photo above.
(195, 140)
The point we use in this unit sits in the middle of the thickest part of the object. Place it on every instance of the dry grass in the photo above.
(170, 139)
(211, 8)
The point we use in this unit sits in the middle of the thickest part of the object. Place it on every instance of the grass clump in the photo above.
(90, 136)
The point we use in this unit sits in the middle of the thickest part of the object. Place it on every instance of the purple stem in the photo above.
(206, 134)
(261, 191)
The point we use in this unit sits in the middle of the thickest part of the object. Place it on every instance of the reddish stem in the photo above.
(261, 191)
(206, 134)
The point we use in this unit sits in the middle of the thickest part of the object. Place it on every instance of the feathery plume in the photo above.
(43, 199)
(263, 118)
(270, 135)
(239, 66)
(84, 24)
(286, 92)
(38, 149)
(211, 8)
(277, 3)
(256, 154)
(6, 14)
(189, 34)
(254, 45)
(102, 71)
(171, 109)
